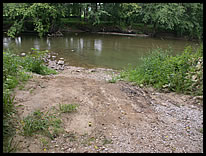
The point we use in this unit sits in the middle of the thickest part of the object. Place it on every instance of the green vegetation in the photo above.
(67, 107)
(16, 72)
(181, 73)
(113, 80)
(34, 63)
(47, 123)
(182, 19)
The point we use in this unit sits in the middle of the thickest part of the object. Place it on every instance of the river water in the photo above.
(95, 50)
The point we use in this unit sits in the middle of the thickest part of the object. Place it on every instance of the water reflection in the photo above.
(6, 42)
(98, 47)
(66, 42)
(48, 43)
(36, 44)
(81, 44)
(18, 41)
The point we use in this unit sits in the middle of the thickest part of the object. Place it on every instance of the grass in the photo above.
(44, 123)
(107, 141)
(113, 80)
(48, 124)
(181, 73)
(44, 143)
(67, 108)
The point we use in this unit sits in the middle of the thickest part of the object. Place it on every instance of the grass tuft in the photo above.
(64, 108)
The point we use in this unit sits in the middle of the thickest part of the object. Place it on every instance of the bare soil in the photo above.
(124, 117)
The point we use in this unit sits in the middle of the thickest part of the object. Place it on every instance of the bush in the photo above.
(180, 73)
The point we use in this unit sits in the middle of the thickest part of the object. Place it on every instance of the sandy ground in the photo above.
(124, 118)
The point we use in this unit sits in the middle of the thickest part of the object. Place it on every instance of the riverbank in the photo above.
(79, 27)
(111, 117)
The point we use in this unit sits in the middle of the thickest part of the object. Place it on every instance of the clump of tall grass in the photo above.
(182, 73)
(47, 123)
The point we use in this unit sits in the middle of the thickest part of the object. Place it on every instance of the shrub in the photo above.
(180, 73)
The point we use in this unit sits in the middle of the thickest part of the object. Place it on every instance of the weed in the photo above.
(201, 130)
(67, 107)
(10, 147)
(106, 141)
(45, 143)
(71, 135)
(41, 122)
(113, 80)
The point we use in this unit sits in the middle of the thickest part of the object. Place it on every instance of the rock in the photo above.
(52, 64)
(198, 97)
(60, 62)
(23, 54)
(92, 70)
(62, 67)
(53, 57)
(56, 34)
(45, 60)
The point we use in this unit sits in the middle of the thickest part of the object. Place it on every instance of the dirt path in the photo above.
(124, 118)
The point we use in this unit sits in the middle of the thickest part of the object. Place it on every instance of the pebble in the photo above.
(23, 54)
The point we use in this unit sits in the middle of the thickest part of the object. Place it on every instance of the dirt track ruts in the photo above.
(124, 118)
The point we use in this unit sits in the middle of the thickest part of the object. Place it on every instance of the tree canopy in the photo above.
(181, 18)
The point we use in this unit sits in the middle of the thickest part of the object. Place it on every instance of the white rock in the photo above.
(60, 62)
(23, 54)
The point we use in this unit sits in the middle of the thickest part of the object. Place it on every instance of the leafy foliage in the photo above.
(181, 73)
(181, 18)
(43, 15)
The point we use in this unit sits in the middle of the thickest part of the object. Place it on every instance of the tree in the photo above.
(192, 21)
(165, 14)
(43, 15)
(96, 13)
(129, 12)
(181, 17)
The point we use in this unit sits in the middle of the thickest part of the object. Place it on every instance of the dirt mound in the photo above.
(111, 117)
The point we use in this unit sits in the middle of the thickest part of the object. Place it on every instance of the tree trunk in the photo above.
(154, 29)
(80, 13)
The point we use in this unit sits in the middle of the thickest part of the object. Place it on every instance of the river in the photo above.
(95, 50)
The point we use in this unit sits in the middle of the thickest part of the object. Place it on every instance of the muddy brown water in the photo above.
(95, 50)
